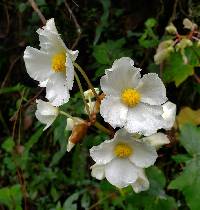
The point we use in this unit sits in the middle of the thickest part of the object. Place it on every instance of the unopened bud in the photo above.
(79, 130)
(183, 44)
(159, 57)
(89, 94)
(171, 29)
(189, 24)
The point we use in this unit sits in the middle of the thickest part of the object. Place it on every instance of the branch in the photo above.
(78, 28)
(37, 10)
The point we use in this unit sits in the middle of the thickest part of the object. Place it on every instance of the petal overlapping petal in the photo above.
(98, 171)
(56, 91)
(113, 111)
(143, 155)
(142, 183)
(152, 89)
(103, 153)
(121, 172)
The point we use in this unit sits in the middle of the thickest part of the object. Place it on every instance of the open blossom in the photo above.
(52, 65)
(46, 113)
(133, 102)
(121, 160)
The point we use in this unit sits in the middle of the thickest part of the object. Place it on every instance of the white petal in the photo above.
(152, 89)
(142, 183)
(46, 113)
(123, 75)
(144, 118)
(157, 140)
(38, 64)
(98, 171)
(144, 155)
(121, 172)
(113, 111)
(56, 91)
(123, 63)
(69, 72)
(169, 114)
(50, 25)
(50, 40)
(103, 153)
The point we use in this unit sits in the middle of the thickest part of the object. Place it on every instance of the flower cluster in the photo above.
(178, 42)
(137, 105)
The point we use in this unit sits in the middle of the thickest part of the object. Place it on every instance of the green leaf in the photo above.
(8, 145)
(175, 69)
(189, 180)
(16, 88)
(181, 158)
(189, 183)
(155, 198)
(11, 197)
(190, 139)
(69, 202)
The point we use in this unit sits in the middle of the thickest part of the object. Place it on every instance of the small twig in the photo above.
(16, 115)
(173, 11)
(37, 10)
(33, 99)
(78, 28)
(87, 80)
(9, 70)
(82, 94)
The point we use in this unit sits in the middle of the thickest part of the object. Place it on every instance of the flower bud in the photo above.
(171, 29)
(89, 94)
(163, 51)
(189, 24)
(79, 129)
(183, 44)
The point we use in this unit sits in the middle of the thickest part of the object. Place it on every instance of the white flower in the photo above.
(52, 65)
(132, 102)
(122, 159)
(46, 113)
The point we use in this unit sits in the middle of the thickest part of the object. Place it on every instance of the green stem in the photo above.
(66, 114)
(86, 79)
(82, 93)
(102, 128)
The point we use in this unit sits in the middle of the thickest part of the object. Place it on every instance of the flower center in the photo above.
(130, 97)
(123, 150)
(58, 62)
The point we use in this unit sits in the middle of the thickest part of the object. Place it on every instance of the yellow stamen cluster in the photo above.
(58, 62)
(123, 150)
(130, 97)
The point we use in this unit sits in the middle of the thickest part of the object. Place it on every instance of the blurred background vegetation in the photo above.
(35, 170)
